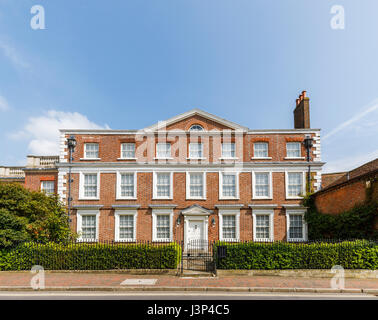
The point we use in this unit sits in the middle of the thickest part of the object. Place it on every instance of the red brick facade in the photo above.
(350, 189)
(34, 178)
(176, 132)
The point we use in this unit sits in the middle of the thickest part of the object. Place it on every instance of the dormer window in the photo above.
(196, 127)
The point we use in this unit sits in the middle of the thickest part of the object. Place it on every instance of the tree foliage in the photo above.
(31, 215)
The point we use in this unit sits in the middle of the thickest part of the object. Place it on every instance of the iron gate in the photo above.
(198, 255)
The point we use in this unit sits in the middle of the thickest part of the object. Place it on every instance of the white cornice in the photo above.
(279, 166)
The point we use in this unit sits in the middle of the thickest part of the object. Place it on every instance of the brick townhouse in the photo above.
(195, 176)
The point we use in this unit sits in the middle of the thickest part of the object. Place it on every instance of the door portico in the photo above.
(196, 225)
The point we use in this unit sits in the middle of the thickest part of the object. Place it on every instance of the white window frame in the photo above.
(170, 151)
(155, 213)
(287, 184)
(119, 180)
(188, 196)
(81, 185)
(44, 190)
(221, 197)
(300, 212)
(122, 157)
(270, 187)
(79, 215)
(201, 157)
(263, 212)
(300, 150)
(267, 150)
(229, 212)
(228, 157)
(155, 196)
(85, 151)
(124, 212)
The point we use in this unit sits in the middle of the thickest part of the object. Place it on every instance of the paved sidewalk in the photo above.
(112, 281)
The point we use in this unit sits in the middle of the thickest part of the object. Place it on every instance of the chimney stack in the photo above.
(302, 112)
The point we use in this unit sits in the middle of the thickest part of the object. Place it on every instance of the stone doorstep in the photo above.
(193, 289)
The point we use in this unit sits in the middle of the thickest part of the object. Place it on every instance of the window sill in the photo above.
(200, 158)
(228, 158)
(261, 158)
(263, 240)
(294, 158)
(157, 158)
(294, 198)
(121, 198)
(228, 198)
(162, 240)
(90, 159)
(196, 199)
(125, 240)
(89, 199)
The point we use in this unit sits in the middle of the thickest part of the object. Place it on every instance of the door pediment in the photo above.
(196, 210)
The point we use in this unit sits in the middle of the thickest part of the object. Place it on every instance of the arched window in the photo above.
(196, 127)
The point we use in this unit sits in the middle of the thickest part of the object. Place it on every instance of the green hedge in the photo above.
(83, 256)
(360, 254)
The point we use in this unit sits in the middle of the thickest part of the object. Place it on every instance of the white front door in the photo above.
(195, 233)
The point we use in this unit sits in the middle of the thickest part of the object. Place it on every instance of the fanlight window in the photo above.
(196, 127)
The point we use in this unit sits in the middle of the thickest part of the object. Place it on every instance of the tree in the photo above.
(41, 216)
(12, 229)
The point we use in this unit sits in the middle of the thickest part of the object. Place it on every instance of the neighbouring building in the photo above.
(195, 176)
(350, 189)
(329, 178)
(39, 174)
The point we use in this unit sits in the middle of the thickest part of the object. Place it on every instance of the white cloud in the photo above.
(12, 54)
(3, 104)
(43, 131)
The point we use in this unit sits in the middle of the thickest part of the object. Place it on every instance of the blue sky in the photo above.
(128, 64)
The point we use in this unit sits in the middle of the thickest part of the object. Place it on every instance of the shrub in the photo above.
(41, 216)
(85, 256)
(359, 254)
(12, 228)
(357, 222)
